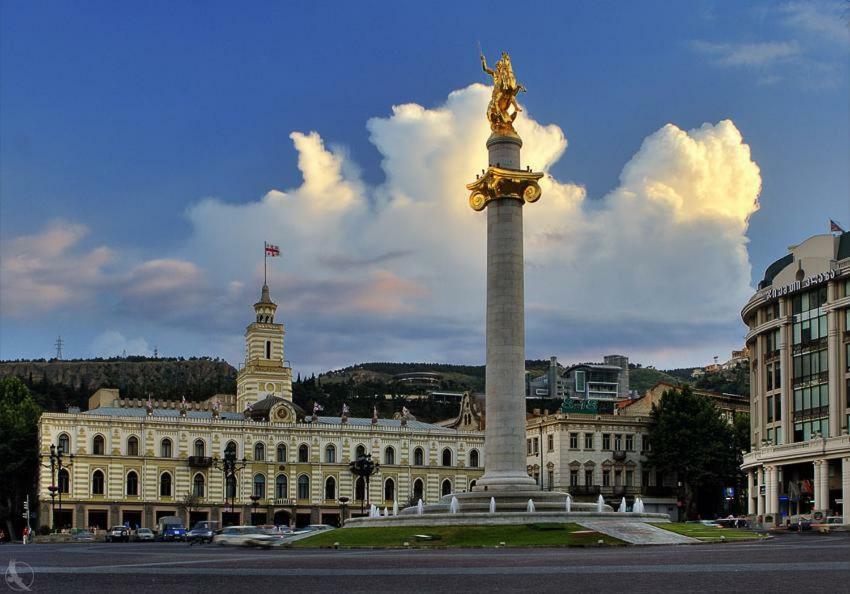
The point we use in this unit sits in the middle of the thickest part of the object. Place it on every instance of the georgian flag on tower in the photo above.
(272, 250)
(835, 227)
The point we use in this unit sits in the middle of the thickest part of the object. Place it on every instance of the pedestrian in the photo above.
(26, 534)
(2, 536)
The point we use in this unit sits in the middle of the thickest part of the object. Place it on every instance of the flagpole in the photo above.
(265, 264)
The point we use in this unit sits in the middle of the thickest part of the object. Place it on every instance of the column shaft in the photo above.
(845, 489)
(751, 492)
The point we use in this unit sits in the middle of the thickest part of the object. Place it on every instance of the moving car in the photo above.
(144, 534)
(201, 532)
(237, 535)
(268, 537)
(81, 535)
(171, 528)
(118, 534)
(799, 522)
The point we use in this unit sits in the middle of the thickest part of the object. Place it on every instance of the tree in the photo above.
(18, 449)
(691, 439)
(188, 504)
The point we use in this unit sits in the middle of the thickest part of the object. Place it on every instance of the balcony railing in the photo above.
(199, 461)
(279, 501)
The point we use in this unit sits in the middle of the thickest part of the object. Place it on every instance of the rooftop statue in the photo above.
(505, 90)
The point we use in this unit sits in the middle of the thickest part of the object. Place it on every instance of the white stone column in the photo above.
(845, 489)
(505, 365)
(751, 492)
(771, 491)
(821, 485)
(759, 496)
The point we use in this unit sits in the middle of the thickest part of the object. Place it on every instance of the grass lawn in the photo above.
(709, 533)
(459, 536)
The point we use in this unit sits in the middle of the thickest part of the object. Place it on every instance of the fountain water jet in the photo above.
(420, 508)
(600, 504)
(492, 505)
(530, 507)
(622, 508)
(454, 506)
(395, 507)
(568, 504)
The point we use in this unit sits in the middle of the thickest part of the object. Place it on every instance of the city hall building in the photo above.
(136, 461)
(799, 341)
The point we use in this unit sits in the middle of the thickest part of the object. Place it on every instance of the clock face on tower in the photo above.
(269, 387)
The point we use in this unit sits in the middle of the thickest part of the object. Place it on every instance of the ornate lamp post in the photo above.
(343, 505)
(364, 468)
(56, 458)
(229, 465)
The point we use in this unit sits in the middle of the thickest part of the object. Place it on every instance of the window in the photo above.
(330, 488)
(550, 476)
(606, 441)
(447, 457)
(198, 485)
(133, 446)
(573, 441)
(132, 483)
(97, 482)
(630, 443)
(280, 487)
(64, 481)
(645, 444)
(630, 478)
(588, 441)
(200, 448)
(446, 488)
(230, 488)
(303, 487)
(360, 489)
(536, 445)
(165, 485)
(528, 447)
(259, 452)
(268, 349)
(330, 454)
(361, 451)
(473, 459)
(281, 452)
(389, 455)
(97, 445)
(588, 477)
(573, 477)
(618, 478)
(606, 478)
(389, 490)
(769, 409)
(260, 486)
(418, 457)
(580, 382)
(618, 442)
(418, 489)
(303, 453)
(64, 443)
(230, 447)
(165, 448)
(550, 443)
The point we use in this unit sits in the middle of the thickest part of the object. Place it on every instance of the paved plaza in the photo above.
(803, 563)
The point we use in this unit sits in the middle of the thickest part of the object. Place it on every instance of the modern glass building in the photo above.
(799, 340)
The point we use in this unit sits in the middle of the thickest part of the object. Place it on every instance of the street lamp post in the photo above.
(364, 468)
(229, 465)
(343, 505)
(56, 457)
(255, 499)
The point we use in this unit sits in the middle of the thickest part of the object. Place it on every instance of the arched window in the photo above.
(281, 452)
(198, 485)
(280, 488)
(97, 482)
(260, 486)
(268, 349)
(360, 489)
(418, 457)
(259, 452)
(64, 481)
(330, 488)
(471, 485)
(64, 443)
(230, 447)
(132, 483)
(165, 448)
(418, 489)
(389, 455)
(389, 490)
(330, 454)
(473, 458)
(165, 484)
(200, 449)
(231, 487)
(446, 488)
(303, 487)
(97, 445)
(447, 457)
(132, 446)
(361, 451)
(303, 453)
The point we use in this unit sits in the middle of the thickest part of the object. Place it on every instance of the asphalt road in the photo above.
(798, 563)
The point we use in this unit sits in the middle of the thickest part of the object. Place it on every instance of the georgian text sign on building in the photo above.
(815, 279)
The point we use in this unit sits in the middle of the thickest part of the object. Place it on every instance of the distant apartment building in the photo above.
(606, 381)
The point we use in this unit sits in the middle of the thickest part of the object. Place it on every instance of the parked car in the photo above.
(237, 535)
(118, 534)
(171, 528)
(144, 534)
(201, 532)
(81, 535)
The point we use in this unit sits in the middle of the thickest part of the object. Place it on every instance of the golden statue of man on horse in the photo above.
(505, 89)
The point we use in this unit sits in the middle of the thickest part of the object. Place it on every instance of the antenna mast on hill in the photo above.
(59, 344)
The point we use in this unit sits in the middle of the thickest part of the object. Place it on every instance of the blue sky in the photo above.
(119, 119)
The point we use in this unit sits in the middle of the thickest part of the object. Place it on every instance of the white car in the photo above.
(243, 536)
(145, 534)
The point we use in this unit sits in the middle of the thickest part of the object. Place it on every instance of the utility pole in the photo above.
(59, 344)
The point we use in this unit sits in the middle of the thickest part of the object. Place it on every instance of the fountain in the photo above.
(420, 508)
(622, 508)
(530, 507)
(454, 506)
(600, 504)
(492, 505)
(638, 506)
(395, 507)
(569, 503)
(386, 513)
